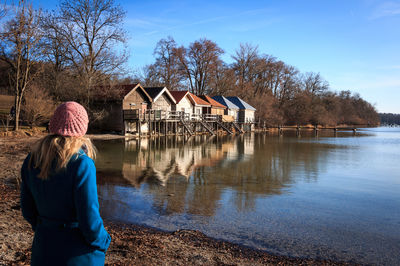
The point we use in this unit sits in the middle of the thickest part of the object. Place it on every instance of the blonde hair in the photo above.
(59, 150)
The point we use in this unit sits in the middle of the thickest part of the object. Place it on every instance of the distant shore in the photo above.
(131, 244)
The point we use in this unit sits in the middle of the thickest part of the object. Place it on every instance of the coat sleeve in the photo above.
(28, 206)
(87, 205)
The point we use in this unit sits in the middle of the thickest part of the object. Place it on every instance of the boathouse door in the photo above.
(144, 108)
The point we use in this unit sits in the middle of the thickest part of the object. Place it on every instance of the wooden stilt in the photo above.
(149, 129)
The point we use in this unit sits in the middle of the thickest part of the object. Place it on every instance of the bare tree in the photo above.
(315, 86)
(223, 81)
(166, 68)
(57, 74)
(314, 83)
(92, 29)
(260, 74)
(289, 85)
(199, 63)
(147, 76)
(19, 48)
(245, 63)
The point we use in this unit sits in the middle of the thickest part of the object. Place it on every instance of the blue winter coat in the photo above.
(64, 213)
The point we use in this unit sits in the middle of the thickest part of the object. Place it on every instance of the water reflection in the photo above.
(189, 175)
(327, 196)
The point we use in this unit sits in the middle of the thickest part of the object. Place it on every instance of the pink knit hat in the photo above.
(69, 119)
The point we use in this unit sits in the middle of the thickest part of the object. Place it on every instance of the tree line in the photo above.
(389, 119)
(78, 52)
(280, 92)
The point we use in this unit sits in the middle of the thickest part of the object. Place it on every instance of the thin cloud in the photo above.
(152, 32)
(200, 22)
(257, 25)
(156, 28)
(256, 11)
(386, 9)
(183, 25)
(141, 23)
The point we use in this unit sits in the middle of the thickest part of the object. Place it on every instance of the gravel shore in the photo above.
(131, 244)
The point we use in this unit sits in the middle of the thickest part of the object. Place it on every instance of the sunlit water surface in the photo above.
(333, 197)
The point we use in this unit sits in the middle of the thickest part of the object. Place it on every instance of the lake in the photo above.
(326, 196)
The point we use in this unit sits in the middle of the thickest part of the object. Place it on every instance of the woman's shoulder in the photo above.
(82, 168)
(81, 159)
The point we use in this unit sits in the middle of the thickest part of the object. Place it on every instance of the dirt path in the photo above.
(130, 244)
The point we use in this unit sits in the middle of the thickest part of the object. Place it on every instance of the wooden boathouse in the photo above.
(152, 111)
(246, 112)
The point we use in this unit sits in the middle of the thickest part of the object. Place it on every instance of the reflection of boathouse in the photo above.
(201, 175)
(194, 174)
(175, 163)
(158, 165)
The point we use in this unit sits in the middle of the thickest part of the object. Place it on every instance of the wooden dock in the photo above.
(299, 129)
(163, 123)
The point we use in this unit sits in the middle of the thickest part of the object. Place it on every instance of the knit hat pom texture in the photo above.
(69, 119)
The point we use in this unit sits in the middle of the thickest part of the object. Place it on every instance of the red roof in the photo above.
(198, 100)
(213, 102)
(178, 95)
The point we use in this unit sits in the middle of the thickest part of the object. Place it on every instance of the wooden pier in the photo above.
(163, 123)
(299, 129)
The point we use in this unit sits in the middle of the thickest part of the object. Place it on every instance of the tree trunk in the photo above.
(17, 105)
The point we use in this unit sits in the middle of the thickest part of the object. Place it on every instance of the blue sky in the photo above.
(354, 44)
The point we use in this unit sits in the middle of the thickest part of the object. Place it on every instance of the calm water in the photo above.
(321, 197)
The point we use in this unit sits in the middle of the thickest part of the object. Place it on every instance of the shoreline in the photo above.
(130, 243)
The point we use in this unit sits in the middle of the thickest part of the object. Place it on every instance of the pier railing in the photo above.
(157, 115)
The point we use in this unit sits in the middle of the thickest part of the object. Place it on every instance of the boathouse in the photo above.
(134, 106)
(119, 103)
(184, 103)
(231, 111)
(200, 107)
(136, 98)
(161, 98)
(246, 111)
(216, 108)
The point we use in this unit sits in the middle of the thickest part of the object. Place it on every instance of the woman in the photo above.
(59, 194)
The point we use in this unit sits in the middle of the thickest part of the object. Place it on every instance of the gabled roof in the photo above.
(156, 92)
(178, 95)
(213, 102)
(240, 103)
(198, 101)
(117, 92)
(224, 101)
(128, 89)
